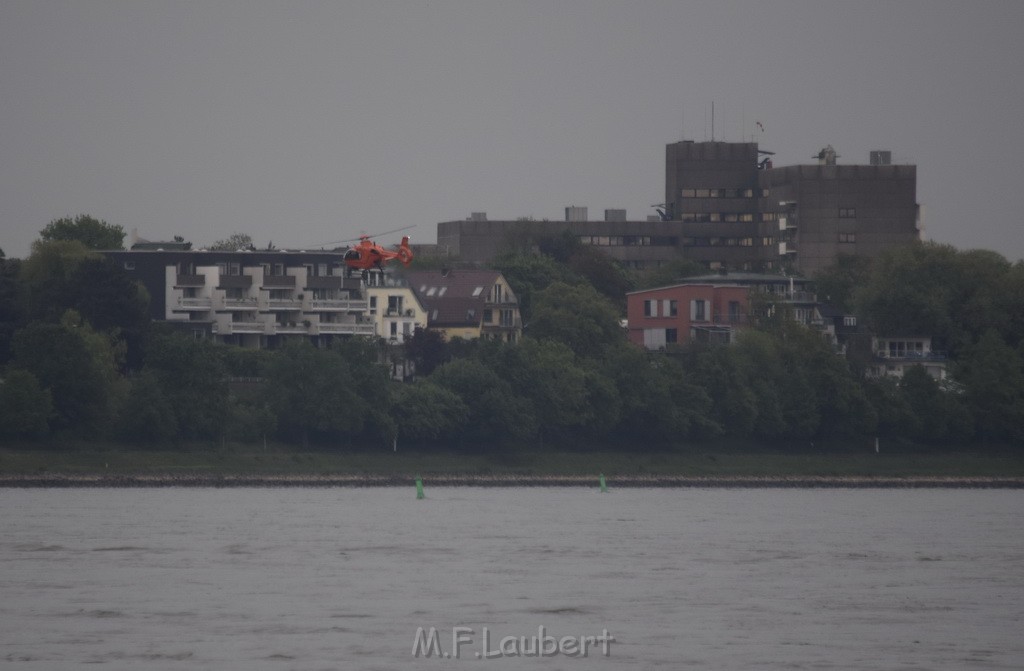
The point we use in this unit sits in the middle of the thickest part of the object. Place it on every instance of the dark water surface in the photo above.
(343, 578)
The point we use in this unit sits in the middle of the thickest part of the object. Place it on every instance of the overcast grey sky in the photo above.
(303, 123)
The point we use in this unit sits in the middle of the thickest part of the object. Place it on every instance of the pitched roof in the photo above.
(453, 297)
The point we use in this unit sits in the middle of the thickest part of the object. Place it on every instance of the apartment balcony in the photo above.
(787, 224)
(344, 328)
(801, 297)
(338, 305)
(229, 328)
(194, 305)
(238, 304)
(787, 248)
(279, 281)
(930, 355)
(234, 282)
(289, 328)
(325, 282)
(739, 318)
(189, 281)
(516, 323)
(284, 304)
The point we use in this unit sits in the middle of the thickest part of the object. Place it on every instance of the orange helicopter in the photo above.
(367, 255)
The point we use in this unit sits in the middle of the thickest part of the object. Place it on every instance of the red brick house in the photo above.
(684, 313)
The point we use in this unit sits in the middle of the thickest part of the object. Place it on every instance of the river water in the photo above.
(353, 578)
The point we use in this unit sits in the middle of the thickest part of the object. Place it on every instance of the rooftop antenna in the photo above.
(712, 120)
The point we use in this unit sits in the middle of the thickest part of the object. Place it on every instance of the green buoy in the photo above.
(604, 487)
(419, 487)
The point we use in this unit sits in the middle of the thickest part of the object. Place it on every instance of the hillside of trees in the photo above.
(81, 361)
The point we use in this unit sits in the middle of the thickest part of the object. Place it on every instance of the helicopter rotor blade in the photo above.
(365, 235)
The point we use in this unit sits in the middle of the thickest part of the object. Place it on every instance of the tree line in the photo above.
(82, 360)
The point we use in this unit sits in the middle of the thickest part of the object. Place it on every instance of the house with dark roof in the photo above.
(468, 304)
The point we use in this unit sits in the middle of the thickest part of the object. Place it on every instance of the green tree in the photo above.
(313, 393)
(233, 242)
(146, 416)
(93, 233)
(528, 273)
(669, 273)
(77, 366)
(47, 277)
(941, 416)
(546, 374)
(896, 416)
(192, 377)
(659, 401)
(12, 305)
(992, 374)
(606, 276)
(427, 412)
(936, 291)
(25, 406)
(836, 284)
(427, 350)
(734, 404)
(496, 413)
(576, 316)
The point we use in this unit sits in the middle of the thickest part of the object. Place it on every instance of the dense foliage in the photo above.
(86, 365)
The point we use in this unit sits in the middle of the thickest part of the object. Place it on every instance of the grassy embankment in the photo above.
(699, 461)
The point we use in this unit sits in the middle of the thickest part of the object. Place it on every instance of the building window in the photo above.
(129, 265)
(650, 308)
(487, 316)
(847, 213)
(734, 311)
(671, 336)
(847, 237)
(373, 305)
(688, 193)
(698, 310)
(849, 320)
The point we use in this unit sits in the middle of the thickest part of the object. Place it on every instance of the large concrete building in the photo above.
(727, 207)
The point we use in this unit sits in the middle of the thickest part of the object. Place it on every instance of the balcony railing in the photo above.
(346, 328)
(284, 304)
(931, 355)
(190, 280)
(239, 327)
(240, 303)
(329, 304)
(201, 304)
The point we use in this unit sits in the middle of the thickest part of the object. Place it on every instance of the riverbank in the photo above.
(284, 468)
(651, 481)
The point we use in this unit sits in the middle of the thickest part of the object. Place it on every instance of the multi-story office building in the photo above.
(727, 218)
(729, 208)
(740, 212)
